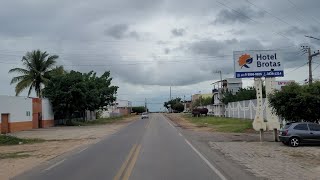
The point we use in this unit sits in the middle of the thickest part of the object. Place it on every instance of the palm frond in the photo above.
(18, 78)
(30, 89)
(22, 85)
(50, 62)
(19, 70)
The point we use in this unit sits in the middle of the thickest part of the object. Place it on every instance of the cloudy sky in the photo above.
(150, 45)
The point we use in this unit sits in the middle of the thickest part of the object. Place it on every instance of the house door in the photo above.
(4, 123)
(39, 120)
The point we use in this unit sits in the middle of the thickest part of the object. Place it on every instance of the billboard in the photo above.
(257, 63)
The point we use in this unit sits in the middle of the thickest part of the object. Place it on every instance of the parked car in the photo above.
(294, 134)
(144, 115)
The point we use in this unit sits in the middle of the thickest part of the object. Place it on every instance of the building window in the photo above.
(28, 113)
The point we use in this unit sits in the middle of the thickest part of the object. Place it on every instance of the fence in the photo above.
(244, 109)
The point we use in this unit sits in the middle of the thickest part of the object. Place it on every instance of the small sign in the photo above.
(257, 63)
(280, 84)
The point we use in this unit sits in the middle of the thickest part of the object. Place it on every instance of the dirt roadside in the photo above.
(271, 160)
(60, 141)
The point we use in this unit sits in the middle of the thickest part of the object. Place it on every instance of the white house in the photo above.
(23, 113)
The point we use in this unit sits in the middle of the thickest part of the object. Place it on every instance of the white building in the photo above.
(119, 108)
(230, 84)
(23, 113)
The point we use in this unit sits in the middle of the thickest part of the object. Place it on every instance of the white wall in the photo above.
(17, 107)
(123, 103)
(244, 109)
(47, 112)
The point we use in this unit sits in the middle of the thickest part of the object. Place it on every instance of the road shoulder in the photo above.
(60, 141)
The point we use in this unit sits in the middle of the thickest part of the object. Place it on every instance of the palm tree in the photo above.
(36, 72)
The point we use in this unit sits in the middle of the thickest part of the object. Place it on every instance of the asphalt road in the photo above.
(146, 149)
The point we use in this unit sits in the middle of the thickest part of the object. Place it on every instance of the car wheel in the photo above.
(294, 142)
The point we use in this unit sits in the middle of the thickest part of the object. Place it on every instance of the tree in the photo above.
(297, 102)
(179, 107)
(75, 92)
(174, 104)
(36, 72)
(171, 102)
(243, 94)
(138, 109)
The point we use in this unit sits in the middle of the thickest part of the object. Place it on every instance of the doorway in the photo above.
(4, 123)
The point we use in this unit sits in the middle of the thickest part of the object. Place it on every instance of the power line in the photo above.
(316, 67)
(297, 68)
(279, 19)
(242, 14)
(299, 9)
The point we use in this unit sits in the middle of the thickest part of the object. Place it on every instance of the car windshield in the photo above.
(287, 126)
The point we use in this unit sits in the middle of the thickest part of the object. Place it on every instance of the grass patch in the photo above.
(12, 140)
(100, 121)
(19, 154)
(222, 124)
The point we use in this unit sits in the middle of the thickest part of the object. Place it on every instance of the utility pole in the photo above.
(145, 104)
(200, 97)
(310, 56)
(220, 73)
(170, 93)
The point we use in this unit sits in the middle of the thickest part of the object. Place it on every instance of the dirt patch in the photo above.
(185, 124)
(60, 140)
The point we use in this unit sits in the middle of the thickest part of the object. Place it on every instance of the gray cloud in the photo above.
(242, 15)
(178, 32)
(152, 59)
(121, 31)
(117, 31)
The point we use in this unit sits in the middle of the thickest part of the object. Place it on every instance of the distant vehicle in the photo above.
(144, 115)
(294, 134)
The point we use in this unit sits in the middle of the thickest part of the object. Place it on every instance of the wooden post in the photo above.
(275, 133)
(261, 135)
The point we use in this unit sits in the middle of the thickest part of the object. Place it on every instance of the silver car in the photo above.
(294, 134)
(144, 115)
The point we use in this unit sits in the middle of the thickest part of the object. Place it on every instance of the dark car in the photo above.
(294, 134)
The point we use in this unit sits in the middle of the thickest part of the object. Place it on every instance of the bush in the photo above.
(179, 107)
(297, 102)
(138, 109)
(12, 140)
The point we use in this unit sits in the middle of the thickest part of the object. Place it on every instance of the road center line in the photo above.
(127, 174)
(180, 134)
(124, 165)
(222, 177)
(54, 165)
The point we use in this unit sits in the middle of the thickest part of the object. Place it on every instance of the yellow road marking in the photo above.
(132, 163)
(124, 165)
